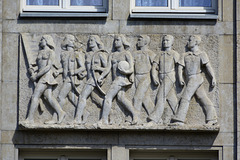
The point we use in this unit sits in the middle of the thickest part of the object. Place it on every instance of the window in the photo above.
(65, 5)
(44, 154)
(171, 7)
(173, 155)
(59, 7)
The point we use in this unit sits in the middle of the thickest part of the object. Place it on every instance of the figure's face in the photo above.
(192, 42)
(167, 42)
(92, 42)
(43, 43)
(140, 42)
(70, 41)
(118, 42)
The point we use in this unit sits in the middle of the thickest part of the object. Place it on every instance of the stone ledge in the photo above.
(174, 16)
(190, 128)
(62, 14)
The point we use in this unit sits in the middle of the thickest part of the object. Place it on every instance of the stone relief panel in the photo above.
(120, 81)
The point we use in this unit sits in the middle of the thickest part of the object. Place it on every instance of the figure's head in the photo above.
(194, 41)
(68, 41)
(94, 41)
(120, 41)
(47, 40)
(167, 41)
(143, 40)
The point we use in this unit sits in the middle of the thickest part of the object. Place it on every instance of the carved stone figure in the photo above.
(122, 72)
(192, 62)
(97, 69)
(143, 59)
(45, 80)
(163, 73)
(73, 70)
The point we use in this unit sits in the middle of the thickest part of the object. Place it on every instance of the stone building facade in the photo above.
(84, 120)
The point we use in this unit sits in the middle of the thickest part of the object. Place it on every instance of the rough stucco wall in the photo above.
(116, 23)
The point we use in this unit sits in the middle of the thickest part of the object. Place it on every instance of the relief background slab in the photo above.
(118, 116)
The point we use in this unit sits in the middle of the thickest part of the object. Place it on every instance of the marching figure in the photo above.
(73, 70)
(143, 60)
(192, 62)
(163, 73)
(97, 69)
(122, 72)
(45, 61)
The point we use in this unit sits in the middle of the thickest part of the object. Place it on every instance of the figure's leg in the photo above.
(97, 99)
(163, 92)
(140, 92)
(173, 100)
(73, 98)
(107, 104)
(128, 104)
(66, 88)
(189, 91)
(211, 115)
(38, 91)
(54, 103)
(148, 102)
(82, 100)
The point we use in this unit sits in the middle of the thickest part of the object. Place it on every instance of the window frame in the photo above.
(62, 154)
(64, 6)
(174, 8)
(173, 155)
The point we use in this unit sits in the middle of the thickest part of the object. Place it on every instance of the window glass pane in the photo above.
(152, 3)
(40, 159)
(195, 3)
(86, 2)
(43, 2)
(84, 159)
(149, 159)
(194, 159)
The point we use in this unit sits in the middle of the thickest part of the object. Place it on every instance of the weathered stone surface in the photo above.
(60, 137)
(226, 118)
(226, 58)
(57, 26)
(10, 9)
(224, 139)
(121, 9)
(119, 153)
(228, 152)
(9, 106)
(7, 137)
(10, 57)
(228, 11)
(8, 152)
(176, 27)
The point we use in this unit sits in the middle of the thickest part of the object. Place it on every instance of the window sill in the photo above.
(61, 14)
(174, 16)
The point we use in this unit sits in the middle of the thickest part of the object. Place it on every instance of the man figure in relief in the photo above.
(163, 73)
(192, 63)
(143, 60)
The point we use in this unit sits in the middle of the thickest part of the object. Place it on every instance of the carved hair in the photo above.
(169, 36)
(64, 44)
(125, 43)
(145, 38)
(98, 41)
(49, 41)
(196, 38)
